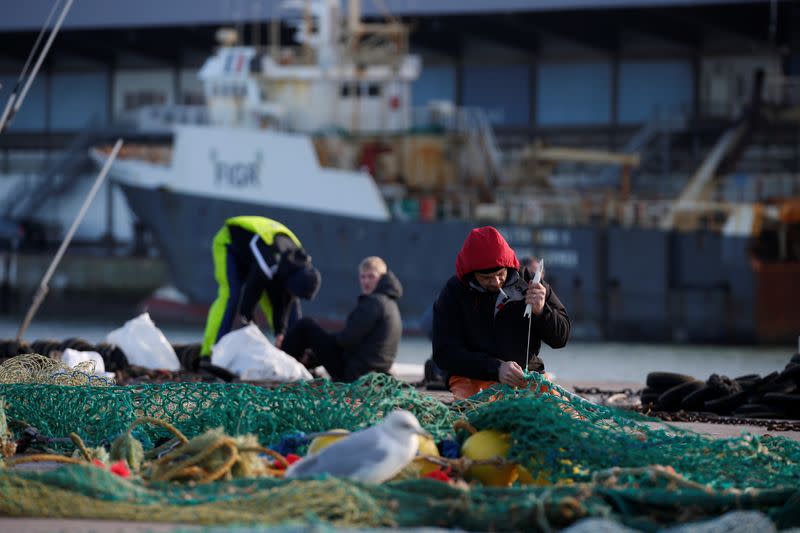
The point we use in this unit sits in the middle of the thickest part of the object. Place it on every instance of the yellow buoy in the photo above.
(326, 440)
(485, 445)
(419, 467)
(427, 446)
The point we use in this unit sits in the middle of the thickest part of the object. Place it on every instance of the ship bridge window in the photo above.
(141, 98)
(349, 90)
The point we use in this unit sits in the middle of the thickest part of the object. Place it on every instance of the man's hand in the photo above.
(510, 373)
(535, 297)
(278, 340)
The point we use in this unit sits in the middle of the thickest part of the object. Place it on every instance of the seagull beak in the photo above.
(424, 433)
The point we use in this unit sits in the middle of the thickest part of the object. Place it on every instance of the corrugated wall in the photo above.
(503, 91)
(574, 93)
(648, 87)
(76, 98)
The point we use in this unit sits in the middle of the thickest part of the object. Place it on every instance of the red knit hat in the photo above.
(484, 248)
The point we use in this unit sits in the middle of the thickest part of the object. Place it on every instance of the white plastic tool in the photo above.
(537, 277)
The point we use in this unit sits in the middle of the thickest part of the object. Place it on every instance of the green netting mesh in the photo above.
(571, 438)
(589, 460)
(99, 414)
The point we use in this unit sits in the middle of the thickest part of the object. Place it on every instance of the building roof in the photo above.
(31, 14)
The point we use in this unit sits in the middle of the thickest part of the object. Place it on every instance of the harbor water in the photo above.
(578, 361)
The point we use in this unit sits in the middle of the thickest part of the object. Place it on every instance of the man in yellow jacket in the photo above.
(258, 260)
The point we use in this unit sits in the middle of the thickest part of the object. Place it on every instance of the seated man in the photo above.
(479, 331)
(371, 335)
(257, 260)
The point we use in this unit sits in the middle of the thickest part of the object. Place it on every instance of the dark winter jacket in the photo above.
(474, 330)
(286, 257)
(372, 332)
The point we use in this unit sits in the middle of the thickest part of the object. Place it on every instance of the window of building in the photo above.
(144, 97)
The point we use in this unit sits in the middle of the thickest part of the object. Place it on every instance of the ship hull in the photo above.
(617, 283)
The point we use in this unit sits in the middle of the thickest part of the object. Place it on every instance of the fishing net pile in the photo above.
(38, 369)
(564, 459)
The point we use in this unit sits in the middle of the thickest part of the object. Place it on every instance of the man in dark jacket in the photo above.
(479, 331)
(371, 335)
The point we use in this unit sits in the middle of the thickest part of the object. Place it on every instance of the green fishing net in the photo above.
(587, 460)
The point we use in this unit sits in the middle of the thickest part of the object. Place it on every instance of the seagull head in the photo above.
(400, 423)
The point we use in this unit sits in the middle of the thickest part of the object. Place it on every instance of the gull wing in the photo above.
(345, 457)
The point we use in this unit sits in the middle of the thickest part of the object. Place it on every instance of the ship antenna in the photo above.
(16, 99)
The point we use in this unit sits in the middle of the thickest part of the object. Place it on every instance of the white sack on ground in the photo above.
(72, 358)
(249, 354)
(144, 344)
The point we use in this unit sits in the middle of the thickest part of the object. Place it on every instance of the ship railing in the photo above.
(577, 211)
(751, 188)
(163, 117)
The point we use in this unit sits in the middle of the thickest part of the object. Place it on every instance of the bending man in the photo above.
(257, 260)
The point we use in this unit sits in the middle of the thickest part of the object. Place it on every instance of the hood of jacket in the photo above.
(484, 248)
(390, 286)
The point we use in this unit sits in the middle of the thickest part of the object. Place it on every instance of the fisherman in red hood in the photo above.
(479, 331)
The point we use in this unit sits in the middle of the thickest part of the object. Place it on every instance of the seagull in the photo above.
(372, 455)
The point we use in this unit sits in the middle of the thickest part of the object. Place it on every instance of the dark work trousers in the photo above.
(307, 334)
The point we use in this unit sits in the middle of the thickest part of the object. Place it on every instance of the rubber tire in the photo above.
(792, 371)
(650, 398)
(113, 358)
(663, 381)
(191, 357)
(51, 347)
(82, 345)
(772, 377)
(696, 400)
(671, 399)
(217, 371)
(780, 386)
(38, 346)
(726, 404)
(8, 348)
(788, 402)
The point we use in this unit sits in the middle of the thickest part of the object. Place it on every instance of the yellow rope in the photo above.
(226, 467)
(44, 457)
(158, 422)
(80, 445)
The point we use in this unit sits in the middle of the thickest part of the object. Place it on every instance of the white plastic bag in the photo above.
(144, 344)
(249, 354)
(72, 358)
